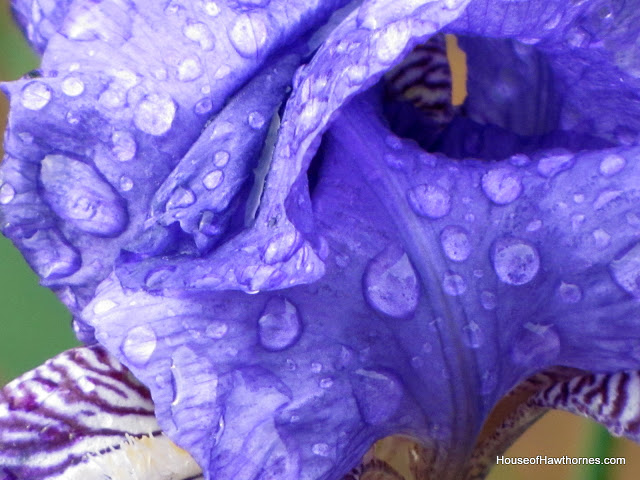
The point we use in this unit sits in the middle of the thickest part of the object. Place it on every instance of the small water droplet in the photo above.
(139, 344)
(216, 329)
(35, 95)
(536, 344)
(316, 367)
(189, 69)
(203, 106)
(534, 225)
(72, 86)
(429, 201)
(248, 35)
(455, 243)
(7, 193)
(625, 270)
(578, 198)
(72, 118)
(612, 164)
(601, 238)
(220, 159)
(199, 32)
(552, 22)
(569, 292)
(124, 146)
(210, 8)
(279, 325)
(551, 165)
(320, 449)
(515, 261)
(472, 335)
(180, 198)
(256, 120)
(501, 185)
(126, 183)
(154, 114)
(488, 300)
(326, 382)
(390, 283)
(103, 306)
(212, 179)
(378, 395)
(453, 284)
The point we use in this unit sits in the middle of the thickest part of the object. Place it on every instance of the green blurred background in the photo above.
(35, 326)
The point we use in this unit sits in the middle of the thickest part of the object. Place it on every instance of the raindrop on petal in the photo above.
(515, 261)
(7, 193)
(612, 164)
(154, 114)
(378, 395)
(210, 8)
(488, 300)
(601, 238)
(455, 243)
(390, 42)
(453, 284)
(248, 35)
(625, 270)
(126, 183)
(551, 165)
(212, 179)
(200, 33)
(180, 198)
(124, 146)
(390, 283)
(189, 69)
(220, 159)
(429, 201)
(279, 325)
(72, 86)
(321, 449)
(502, 185)
(256, 120)
(139, 344)
(569, 293)
(35, 95)
(216, 329)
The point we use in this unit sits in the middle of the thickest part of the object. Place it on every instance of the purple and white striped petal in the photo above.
(82, 415)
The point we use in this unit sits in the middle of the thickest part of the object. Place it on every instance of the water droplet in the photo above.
(220, 159)
(210, 8)
(501, 185)
(189, 69)
(429, 201)
(72, 118)
(326, 382)
(455, 243)
(154, 114)
(180, 198)
(72, 86)
(79, 195)
(488, 300)
(356, 73)
(534, 225)
(320, 449)
(126, 183)
(139, 344)
(551, 165)
(519, 160)
(536, 344)
(7, 193)
(316, 367)
(569, 293)
(515, 261)
(601, 238)
(256, 120)
(625, 270)
(390, 283)
(606, 197)
(472, 335)
(124, 146)
(248, 35)
(212, 179)
(35, 95)
(378, 395)
(50, 255)
(453, 284)
(279, 325)
(390, 42)
(552, 22)
(103, 306)
(216, 329)
(200, 33)
(612, 164)
(578, 198)
(203, 106)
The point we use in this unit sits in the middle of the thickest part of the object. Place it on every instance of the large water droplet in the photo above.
(79, 195)
(189, 69)
(248, 35)
(35, 95)
(569, 292)
(516, 262)
(72, 86)
(378, 395)
(453, 284)
(429, 201)
(612, 164)
(551, 165)
(537, 344)
(455, 243)
(625, 270)
(279, 325)
(124, 146)
(502, 185)
(154, 114)
(390, 283)
(139, 344)
(7, 193)
(212, 179)
(180, 198)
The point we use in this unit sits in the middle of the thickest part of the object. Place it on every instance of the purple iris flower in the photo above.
(296, 264)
